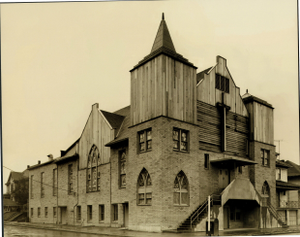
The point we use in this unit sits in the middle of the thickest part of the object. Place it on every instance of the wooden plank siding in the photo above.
(209, 121)
(96, 131)
(207, 92)
(163, 86)
(263, 123)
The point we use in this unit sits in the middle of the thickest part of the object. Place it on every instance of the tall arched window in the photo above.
(93, 170)
(144, 188)
(265, 191)
(181, 189)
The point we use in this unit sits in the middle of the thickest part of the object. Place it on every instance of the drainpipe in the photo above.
(57, 194)
(76, 194)
(208, 214)
(110, 188)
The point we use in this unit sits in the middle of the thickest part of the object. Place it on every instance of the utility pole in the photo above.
(278, 146)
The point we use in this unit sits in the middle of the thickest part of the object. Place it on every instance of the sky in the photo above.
(57, 59)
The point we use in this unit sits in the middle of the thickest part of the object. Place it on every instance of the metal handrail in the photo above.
(275, 213)
(202, 208)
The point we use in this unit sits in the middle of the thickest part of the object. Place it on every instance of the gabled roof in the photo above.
(15, 176)
(10, 203)
(283, 164)
(123, 132)
(294, 170)
(114, 120)
(200, 75)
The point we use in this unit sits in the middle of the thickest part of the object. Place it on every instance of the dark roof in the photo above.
(114, 120)
(250, 98)
(200, 75)
(163, 45)
(163, 38)
(67, 158)
(15, 176)
(9, 202)
(230, 161)
(286, 185)
(294, 170)
(42, 164)
(282, 163)
(122, 135)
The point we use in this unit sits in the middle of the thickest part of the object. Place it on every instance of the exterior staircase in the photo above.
(276, 215)
(11, 216)
(201, 212)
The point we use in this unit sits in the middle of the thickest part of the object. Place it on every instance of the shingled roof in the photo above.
(294, 170)
(200, 75)
(15, 176)
(122, 134)
(282, 163)
(114, 120)
(163, 44)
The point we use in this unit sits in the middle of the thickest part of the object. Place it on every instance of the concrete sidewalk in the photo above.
(111, 231)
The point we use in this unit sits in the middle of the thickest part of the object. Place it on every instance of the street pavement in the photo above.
(117, 232)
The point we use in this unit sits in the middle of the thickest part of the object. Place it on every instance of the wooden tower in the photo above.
(163, 83)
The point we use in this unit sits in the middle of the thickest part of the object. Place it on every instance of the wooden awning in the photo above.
(231, 162)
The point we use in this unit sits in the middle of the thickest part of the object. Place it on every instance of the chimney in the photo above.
(28, 166)
(50, 157)
(39, 162)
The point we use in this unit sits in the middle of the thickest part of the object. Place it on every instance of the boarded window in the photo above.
(89, 212)
(115, 212)
(70, 179)
(78, 213)
(42, 185)
(54, 182)
(206, 161)
(101, 212)
(222, 83)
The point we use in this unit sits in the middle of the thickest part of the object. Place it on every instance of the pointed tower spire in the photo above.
(163, 37)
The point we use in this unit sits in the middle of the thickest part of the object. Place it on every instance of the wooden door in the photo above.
(125, 212)
(223, 178)
(226, 217)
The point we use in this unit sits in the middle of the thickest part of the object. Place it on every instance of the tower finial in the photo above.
(163, 16)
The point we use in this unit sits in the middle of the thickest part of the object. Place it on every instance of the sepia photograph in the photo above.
(150, 118)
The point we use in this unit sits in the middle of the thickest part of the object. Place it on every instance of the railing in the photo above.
(288, 204)
(274, 212)
(203, 207)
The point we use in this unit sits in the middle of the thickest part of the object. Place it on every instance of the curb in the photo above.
(62, 229)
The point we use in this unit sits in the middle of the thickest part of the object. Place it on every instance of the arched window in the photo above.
(144, 188)
(265, 191)
(181, 189)
(93, 170)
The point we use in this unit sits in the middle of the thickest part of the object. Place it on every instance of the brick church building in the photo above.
(187, 140)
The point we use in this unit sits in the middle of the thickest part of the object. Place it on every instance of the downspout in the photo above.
(110, 189)
(56, 193)
(76, 194)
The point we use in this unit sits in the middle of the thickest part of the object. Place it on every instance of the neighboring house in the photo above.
(11, 184)
(287, 193)
(10, 206)
(186, 138)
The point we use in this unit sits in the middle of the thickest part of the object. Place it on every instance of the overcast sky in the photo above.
(60, 58)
